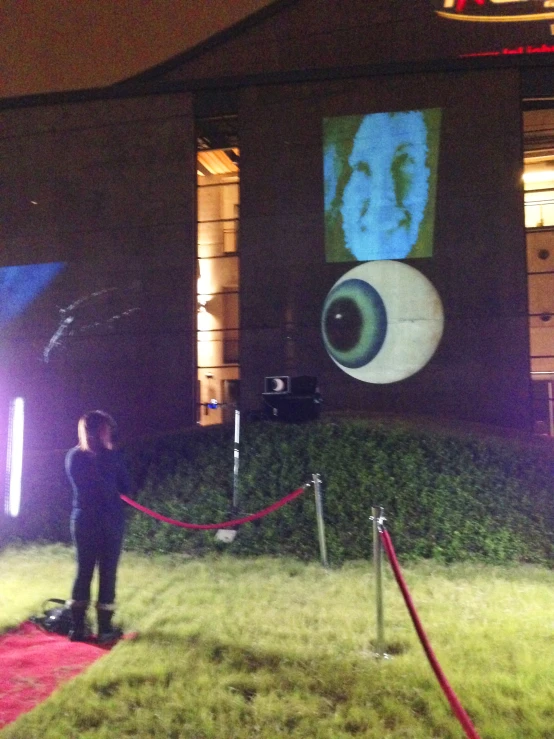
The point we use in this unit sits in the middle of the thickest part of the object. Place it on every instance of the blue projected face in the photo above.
(20, 285)
(379, 175)
(385, 197)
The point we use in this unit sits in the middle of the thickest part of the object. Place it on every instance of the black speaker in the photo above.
(303, 385)
(292, 408)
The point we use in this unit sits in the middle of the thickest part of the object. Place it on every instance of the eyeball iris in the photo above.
(353, 323)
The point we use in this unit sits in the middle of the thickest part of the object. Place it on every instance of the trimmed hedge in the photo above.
(447, 495)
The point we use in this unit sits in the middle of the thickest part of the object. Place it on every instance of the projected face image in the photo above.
(379, 174)
(382, 322)
(386, 194)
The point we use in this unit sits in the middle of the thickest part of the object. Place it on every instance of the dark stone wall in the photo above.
(108, 189)
(480, 371)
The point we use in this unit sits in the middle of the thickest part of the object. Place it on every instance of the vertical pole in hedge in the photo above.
(550, 410)
(320, 522)
(236, 453)
(377, 518)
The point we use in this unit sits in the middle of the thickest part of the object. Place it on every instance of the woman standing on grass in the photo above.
(98, 476)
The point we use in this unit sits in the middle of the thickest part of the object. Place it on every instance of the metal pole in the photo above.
(550, 410)
(320, 522)
(377, 518)
(236, 452)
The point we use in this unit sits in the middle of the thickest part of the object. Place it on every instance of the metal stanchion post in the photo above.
(236, 457)
(320, 522)
(228, 535)
(378, 518)
(550, 410)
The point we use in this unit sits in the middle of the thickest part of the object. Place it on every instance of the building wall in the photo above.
(107, 190)
(317, 35)
(480, 371)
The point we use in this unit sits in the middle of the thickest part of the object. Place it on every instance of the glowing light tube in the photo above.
(14, 462)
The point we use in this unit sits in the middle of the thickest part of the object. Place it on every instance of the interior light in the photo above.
(539, 175)
(14, 462)
(203, 293)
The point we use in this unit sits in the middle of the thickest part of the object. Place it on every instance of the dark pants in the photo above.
(98, 542)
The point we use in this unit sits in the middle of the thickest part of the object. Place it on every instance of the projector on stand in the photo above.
(291, 399)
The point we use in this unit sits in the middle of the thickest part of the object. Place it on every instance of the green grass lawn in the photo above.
(262, 647)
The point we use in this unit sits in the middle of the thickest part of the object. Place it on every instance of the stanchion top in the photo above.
(379, 517)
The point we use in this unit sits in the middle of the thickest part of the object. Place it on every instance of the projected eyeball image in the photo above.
(380, 174)
(382, 322)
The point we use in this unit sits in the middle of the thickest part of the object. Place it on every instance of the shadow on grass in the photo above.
(252, 670)
(212, 650)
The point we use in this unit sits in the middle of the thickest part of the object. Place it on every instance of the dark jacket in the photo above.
(97, 480)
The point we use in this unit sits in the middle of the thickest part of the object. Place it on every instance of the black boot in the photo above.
(78, 631)
(107, 633)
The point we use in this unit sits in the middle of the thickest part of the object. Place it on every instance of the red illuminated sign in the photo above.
(460, 5)
(529, 49)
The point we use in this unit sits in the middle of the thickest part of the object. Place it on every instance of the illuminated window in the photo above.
(538, 182)
(218, 326)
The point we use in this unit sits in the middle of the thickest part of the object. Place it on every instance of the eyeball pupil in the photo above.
(343, 324)
(353, 323)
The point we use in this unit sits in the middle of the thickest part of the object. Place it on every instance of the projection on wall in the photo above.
(382, 322)
(21, 285)
(74, 336)
(380, 175)
(94, 312)
(49, 307)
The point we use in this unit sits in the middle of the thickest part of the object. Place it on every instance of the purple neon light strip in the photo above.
(14, 462)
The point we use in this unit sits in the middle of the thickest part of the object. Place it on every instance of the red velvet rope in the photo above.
(455, 704)
(225, 524)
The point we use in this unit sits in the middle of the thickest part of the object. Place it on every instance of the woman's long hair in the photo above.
(89, 428)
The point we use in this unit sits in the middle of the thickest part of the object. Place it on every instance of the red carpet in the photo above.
(32, 665)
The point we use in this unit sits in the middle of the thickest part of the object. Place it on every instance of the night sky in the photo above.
(52, 45)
